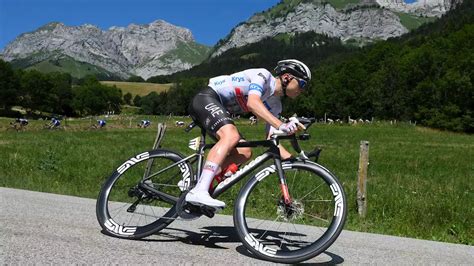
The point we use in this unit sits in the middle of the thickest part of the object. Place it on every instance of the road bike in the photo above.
(287, 212)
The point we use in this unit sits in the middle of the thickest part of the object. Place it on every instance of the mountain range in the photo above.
(160, 48)
(141, 50)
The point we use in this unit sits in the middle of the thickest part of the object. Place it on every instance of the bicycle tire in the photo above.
(127, 209)
(326, 213)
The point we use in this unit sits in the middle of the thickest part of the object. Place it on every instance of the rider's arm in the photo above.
(285, 154)
(273, 104)
(258, 80)
(256, 106)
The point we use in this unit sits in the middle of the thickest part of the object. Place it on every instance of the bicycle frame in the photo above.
(273, 152)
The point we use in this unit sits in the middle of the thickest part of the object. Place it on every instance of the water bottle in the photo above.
(228, 172)
(231, 169)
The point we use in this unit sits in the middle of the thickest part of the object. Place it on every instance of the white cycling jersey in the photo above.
(234, 89)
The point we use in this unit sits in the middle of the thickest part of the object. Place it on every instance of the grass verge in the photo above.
(420, 181)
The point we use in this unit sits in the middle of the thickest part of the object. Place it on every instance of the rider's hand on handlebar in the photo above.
(289, 128)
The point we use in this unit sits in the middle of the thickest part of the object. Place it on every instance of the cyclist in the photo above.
(144, 123)
(19, 123)
(252, 90)
(22, 121)
(101, 123)
(54, 123)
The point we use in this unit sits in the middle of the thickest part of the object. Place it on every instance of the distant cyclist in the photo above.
(101, 123)
(252, 90)
(22, 121)
(19, 124)
(55, 123)
(144, 123)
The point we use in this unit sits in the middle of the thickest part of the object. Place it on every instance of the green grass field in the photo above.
(138, 88)
(420, 182)
(412, 22)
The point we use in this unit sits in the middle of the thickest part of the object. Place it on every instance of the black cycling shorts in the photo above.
(208, 112)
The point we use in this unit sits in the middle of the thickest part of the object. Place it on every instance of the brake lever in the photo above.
(304, 136)
(315, 153)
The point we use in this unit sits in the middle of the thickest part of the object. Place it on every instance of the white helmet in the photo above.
(294, 67)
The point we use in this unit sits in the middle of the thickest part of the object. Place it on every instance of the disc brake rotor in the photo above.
(290, 212)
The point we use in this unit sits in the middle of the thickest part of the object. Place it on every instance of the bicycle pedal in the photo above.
(187, 211)
(209, 211)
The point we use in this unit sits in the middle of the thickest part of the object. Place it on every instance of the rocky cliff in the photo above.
(359, 23)
(144, 50)
(364, 20)
(430, 8)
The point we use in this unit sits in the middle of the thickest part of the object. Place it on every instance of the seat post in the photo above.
(203, 136)
(200, 161)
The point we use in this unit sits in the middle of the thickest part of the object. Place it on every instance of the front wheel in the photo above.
(290, 233)
(140, 197)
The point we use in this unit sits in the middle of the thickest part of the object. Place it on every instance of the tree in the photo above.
(61, 93)
(93, 98)
(35, 91)
(137, 100)
(149, 102)
(127, 98)
(159, 79)
(179, 95)
(135, 79)
(9, 86)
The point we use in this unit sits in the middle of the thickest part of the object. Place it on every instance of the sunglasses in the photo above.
(301, 82)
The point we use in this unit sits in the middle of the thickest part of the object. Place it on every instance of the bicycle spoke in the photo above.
(316, 217)
(316, 200)
(258, 226)
(311, 191)
(294, 178)
(267, 229)
(298, 234)
(281, 241)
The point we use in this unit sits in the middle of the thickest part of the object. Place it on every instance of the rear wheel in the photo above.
(290, 233)
(140, 197)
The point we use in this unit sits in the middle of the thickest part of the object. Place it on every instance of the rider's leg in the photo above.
(238, 156)
(228, 136)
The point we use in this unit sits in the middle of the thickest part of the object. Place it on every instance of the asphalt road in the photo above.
(41, 228)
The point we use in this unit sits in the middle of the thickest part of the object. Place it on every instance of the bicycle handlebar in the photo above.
(302, 122)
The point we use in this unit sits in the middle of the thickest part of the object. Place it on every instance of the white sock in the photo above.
(208, 172)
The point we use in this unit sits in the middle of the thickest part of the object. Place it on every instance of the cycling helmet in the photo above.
(293, 67)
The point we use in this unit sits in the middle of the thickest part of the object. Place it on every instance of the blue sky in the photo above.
(209, 20)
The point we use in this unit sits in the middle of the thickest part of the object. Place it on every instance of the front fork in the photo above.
(283, 185)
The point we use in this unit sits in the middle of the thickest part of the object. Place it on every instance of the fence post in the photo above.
(362, 184)
(159, 137)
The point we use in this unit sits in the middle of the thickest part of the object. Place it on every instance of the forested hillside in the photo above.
(424, 76)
